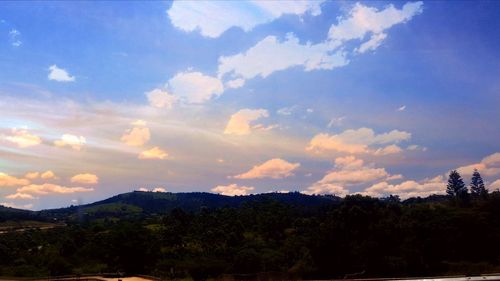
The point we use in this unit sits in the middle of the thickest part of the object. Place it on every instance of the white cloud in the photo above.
(327, 189)
(286, 110)
(14, 38)
(159, 189)
(232, 189)
(137, 136)
(236, 83)
(153, 153)
(240, 122)
(372, 44)
(85, 178)
(8, 181)
(271, 55)
(22, 138)
(160, 98)
(48, 188)
(358, 141)
(337, 121)
(195, 87)
(75, 142)
(363, 20)
(408, 188)
(348, 171)
(275, 168)
(414, 147)
(402, 108)
(22, 196)
(59, 74)
(213, 18)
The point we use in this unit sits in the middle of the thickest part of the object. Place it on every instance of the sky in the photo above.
(321, 97)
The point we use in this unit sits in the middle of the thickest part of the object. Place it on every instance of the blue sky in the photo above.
(378, 98)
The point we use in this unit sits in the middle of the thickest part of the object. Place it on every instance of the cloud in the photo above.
(85, 178)
(275, 168)
(271, 55)
(160, 98)
(414, 147)
(8, 181)
(327, 189)
(489, 166)
(236, 83)
(75, 142)
(213, 18)
(16, 206)
(232, 189)
(358, 141)
(59, 74)
(154, 153)
(32, 175)
(286, 110)
(372, 44)
(14, 38)
(348, 171)
(390, 149)
(48, 175)
(337, 121)
(363, 20)
(402, 108)
(195, 87)
(22, 138)
(408, 188)
(139, 123)
(48, 188)
(137, 136)
(240, 122)
(159, 189)
(23, 196)
(495, 185)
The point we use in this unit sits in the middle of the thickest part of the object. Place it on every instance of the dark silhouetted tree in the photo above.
(477, 188)
(456, 186)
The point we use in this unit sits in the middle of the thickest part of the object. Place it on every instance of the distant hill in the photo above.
(139, 204)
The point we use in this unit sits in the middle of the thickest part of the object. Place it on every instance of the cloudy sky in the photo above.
(240, 97)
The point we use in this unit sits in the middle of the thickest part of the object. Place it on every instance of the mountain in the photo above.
(139, 204)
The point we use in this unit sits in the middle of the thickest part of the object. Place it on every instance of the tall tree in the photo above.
(477, 188)
(456, 186)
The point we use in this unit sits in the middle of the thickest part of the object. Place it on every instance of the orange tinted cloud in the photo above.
(85, 178)
(22, 138)
(275, 168)
(7, 180)
(154, 153)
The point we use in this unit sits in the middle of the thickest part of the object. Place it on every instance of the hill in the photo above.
(139, 204)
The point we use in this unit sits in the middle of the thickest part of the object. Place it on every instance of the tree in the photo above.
(477, 188)
(456, 186)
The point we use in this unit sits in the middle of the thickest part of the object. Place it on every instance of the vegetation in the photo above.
(201, 235)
